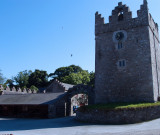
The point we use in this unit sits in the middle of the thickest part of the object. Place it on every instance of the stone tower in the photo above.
(127, 62)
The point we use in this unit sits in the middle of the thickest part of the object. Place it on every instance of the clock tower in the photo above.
(127, 66)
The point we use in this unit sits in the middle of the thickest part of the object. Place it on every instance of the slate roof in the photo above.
(30, 99)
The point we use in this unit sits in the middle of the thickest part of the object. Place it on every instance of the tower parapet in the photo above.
(121, 18)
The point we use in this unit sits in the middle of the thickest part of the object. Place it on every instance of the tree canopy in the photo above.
(73, 75)
(92, 79)
(62, 72)
(10, 83)
(33, 88)
(2, 79)
(28, 79)
(38, 78)
(77, 78)
(22, 78)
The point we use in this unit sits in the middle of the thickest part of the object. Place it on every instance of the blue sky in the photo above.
(42, 34)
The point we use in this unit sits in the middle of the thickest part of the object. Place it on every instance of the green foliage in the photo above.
(73, 75)
(25, 87)
(4, 86)
(72, 79)
(26, 79)
(38, 78)
(10, 83)
(77, 78)
(22, 78)
(82, 77)
(2, 79)
(92, 79)
(65, 71)
(33, 88)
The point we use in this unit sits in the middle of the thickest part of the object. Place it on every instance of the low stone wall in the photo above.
(118, 116)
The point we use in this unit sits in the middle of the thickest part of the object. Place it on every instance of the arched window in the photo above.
(120, 15)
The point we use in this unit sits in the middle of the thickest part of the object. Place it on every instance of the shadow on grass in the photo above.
(30, 124)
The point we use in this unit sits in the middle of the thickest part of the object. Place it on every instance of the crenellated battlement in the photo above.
(121, 18)
(8, 90)
(120, 13)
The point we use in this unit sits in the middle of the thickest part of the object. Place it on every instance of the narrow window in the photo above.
(120, 45)
(122, 63)
(137, 40)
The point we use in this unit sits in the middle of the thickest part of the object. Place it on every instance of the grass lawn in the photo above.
(121, 106)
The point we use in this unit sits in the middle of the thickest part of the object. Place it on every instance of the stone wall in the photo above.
(57, 109)
(119, 116)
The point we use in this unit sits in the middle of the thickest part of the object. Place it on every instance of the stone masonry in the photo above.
(127, 66)
(118, 116)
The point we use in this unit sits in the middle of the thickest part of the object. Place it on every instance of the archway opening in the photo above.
(78, 101)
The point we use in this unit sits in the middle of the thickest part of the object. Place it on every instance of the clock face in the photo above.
(119, 36)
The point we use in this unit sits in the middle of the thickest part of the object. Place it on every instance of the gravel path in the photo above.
(68, 126)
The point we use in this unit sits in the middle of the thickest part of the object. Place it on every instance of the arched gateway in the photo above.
(78, 89)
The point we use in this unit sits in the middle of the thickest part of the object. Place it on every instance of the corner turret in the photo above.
(143, 13)
(145, 2)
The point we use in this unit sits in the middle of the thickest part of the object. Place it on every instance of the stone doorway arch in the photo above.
(79, 89)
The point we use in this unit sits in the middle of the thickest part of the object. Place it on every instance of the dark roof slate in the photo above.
(30, 99)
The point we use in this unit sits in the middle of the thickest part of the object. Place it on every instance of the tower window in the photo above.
(120, 15)
(137, 40)
(120, 45)
(122, 63)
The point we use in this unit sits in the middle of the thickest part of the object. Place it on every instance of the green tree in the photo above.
(73, 75)
(4, 86)
(10, 83)
(85, 77)
(77, 78)
(22, 78)
(2, 79)
(62, 72)
(73, 78)
(38, 78)
(92, 79)
(33, 88)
